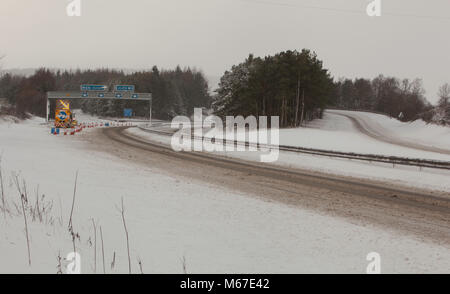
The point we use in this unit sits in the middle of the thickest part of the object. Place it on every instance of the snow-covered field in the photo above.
(215, 230)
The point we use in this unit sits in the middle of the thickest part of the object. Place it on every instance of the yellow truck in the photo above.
(64, 118)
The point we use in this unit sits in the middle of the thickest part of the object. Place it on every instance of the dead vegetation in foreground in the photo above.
(34, 208)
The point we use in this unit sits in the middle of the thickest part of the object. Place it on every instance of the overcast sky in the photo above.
(411, 39)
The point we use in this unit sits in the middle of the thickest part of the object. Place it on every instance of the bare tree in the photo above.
(1, 57)
(444, 95)
(417, 88)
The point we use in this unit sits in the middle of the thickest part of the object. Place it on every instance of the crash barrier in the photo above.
(88, 125)
(394, 160)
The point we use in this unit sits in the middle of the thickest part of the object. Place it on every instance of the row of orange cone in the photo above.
(73, 131)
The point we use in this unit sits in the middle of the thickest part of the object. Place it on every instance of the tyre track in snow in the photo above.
(424, 214)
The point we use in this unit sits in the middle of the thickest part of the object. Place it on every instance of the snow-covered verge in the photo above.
(215, 230)
(416, 131)
(337, 133)
(10, 119)
(432, 179)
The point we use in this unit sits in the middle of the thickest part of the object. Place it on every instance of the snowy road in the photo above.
(370, 127)
(417, 212)
(224, 216)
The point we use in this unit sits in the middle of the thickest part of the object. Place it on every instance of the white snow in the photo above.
(416, 131)
(336, 133)
(217, 230)
(433, 179)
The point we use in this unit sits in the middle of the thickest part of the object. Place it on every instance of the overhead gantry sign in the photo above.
(120, 92)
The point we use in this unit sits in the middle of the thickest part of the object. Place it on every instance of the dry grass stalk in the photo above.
(126, 235)
(95, 245)
(103, 250)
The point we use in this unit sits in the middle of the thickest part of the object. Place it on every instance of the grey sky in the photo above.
(411, 39)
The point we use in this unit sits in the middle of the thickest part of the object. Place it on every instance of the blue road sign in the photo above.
(62, 115)
(124, 88)
(93, 88)
(128, 112)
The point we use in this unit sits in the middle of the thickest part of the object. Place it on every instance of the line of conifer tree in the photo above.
(292, 85)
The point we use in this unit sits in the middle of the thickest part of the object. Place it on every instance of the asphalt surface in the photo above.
(421, 213)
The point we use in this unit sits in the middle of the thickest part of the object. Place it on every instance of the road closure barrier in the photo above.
(88, 125)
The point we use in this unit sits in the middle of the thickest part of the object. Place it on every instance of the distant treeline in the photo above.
(402, 99)
(174, 91)
(295, 86)
(292, 85)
